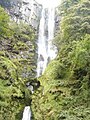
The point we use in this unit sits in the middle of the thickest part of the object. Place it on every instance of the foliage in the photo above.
(65, 85)
(4, 24)
(74, 25)
(17, 58)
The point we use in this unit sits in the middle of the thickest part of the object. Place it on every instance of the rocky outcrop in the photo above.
(57, 20)
(28, 11)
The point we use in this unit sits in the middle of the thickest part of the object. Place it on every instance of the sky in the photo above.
(49, 3)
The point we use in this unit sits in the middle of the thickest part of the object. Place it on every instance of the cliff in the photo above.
(17, 66)
(28, 11)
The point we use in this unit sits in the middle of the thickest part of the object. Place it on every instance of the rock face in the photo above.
(17, 66)
(28, 11)
(57, 20)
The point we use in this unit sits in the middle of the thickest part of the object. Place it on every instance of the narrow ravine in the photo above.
(46, 50)
(44, 59)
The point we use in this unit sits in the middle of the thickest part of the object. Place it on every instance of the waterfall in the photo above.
(51, 25)
(46, 51)
(27, 113)
(42, 52)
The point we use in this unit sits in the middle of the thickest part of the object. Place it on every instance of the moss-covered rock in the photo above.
(17, 67)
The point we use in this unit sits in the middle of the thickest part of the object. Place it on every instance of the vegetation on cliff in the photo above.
(65, 86)
(17, 66)
(64, 93)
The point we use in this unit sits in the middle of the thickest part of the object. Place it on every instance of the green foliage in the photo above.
(55, 69)
(65, 85)
(75, 24)
(20, 46)
(23, 31)
(4, 24)
(17, 64)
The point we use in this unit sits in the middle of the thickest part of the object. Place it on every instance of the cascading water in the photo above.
(42, 52)
(51, 25)
(27, 113)
(46, 51)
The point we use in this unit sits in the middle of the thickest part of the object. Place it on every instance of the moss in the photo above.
(2, 53)
(20, 46)
(17, 53)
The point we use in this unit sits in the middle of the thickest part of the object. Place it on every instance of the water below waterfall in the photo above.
(27, 113)
(46, 51)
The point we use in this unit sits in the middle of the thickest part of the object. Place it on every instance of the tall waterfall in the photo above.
(51, 25)
(27, 113)
(46, 51)
(42, 51)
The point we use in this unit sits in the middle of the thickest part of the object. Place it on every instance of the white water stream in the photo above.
(46, 51)
(27, 113)
(42, 52)
(51, 26)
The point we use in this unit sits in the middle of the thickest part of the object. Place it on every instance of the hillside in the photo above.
(65, 85)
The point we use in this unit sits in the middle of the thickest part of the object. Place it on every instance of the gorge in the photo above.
(44, 60)
(46, 50)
